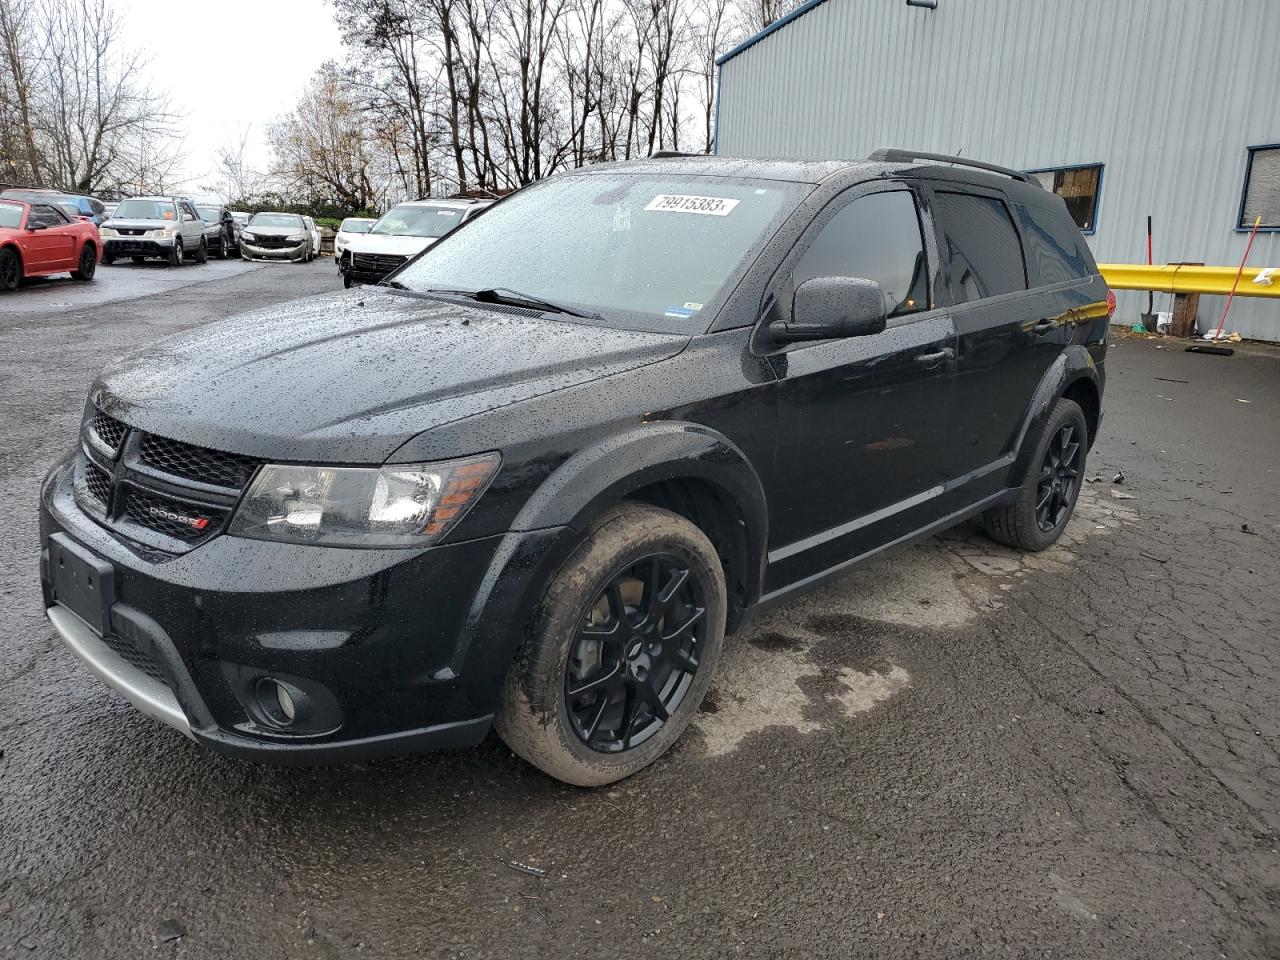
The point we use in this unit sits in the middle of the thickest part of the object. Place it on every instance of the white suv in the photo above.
(402, 233)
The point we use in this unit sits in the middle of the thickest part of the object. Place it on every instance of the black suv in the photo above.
(533, 479)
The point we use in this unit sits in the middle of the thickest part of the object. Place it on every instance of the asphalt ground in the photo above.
(957, 751)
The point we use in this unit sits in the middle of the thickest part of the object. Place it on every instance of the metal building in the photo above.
(1128, 108)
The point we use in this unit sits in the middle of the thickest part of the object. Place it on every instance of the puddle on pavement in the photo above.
(769, 675)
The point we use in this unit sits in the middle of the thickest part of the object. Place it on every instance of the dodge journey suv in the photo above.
(533, 479)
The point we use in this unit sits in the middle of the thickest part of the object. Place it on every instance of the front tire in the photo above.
(177, 256)
(202, 251)
(88, 264)
(347, 282)
(1050, 484)
(10, 270)
(621, 651)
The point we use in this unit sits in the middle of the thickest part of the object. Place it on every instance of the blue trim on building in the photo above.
(1241, 226)
(715, 133)
(1097, 193)
(777, 25)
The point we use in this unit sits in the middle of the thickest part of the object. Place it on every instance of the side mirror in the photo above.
(825, 308)
(37, 226)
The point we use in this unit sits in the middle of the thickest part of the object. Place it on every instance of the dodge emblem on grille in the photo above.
(195, 523)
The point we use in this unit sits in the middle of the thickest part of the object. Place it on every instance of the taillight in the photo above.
(1111, 304)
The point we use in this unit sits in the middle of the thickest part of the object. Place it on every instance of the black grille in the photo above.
(230, 470)
(273, 243)
(98, 483)
(171, 517)
(108, 430)
(135, 656)
(380, 263)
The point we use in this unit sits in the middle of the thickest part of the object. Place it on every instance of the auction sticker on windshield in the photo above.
(682, 203)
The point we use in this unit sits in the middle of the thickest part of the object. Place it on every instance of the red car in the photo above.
(38, 239)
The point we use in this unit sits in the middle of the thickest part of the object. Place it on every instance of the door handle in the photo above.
(1043, 327)
(932, 359)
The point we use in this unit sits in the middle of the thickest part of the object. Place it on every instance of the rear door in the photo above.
(1008, 337)
(863, 420)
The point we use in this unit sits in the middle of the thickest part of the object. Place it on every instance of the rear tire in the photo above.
(622, 648)
(10, 270)
(88, 263)
(1050, 484)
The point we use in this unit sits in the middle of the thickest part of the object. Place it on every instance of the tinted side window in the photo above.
(876, 237)
(49, 216)
(1054, 245)
(982, 246)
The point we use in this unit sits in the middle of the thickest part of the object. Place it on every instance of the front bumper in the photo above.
(398, 650)
(254, 252)
(137, 246)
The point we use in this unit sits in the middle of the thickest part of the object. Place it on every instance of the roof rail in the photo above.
(668, 154)
(895, 156)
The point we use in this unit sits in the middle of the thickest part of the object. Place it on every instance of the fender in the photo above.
(1074, 363)
(546, 530)
(614, 467)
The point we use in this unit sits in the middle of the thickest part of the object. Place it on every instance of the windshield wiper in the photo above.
(393, 284)
(514, 298)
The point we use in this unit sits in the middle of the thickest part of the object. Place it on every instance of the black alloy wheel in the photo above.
(88, 264)
(1059, 479)
(10, 270)
(636, 653)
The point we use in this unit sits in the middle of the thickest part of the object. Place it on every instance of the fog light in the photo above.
(285, 700)
(276, 702)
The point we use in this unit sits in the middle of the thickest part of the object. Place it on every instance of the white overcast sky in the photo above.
(229, 64)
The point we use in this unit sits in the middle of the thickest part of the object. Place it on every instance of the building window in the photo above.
(1261, 189)
(1078, 186)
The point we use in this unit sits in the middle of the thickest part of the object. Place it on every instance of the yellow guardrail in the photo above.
(1177, 278)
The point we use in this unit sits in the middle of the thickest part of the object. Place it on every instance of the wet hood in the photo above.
(138, 224)
(350, 377)
(277, 231)
(380, 243)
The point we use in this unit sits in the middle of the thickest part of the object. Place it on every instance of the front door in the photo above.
(863, 421)
(51, 248)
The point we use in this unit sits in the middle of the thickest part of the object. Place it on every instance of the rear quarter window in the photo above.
(1055, 249)
(984, 254)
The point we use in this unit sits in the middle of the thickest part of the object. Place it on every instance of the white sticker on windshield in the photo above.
(446, 213)
(681, 203)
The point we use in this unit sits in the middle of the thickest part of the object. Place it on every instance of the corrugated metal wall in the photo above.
(1166, 93)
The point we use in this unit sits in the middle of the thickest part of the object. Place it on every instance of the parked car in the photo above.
(349, 228)
(533, 481)
(220, 233)
(90, 208)
(161, 226)
(241, 218)
(276, 236)
(402, 233)
(108, 208)
(39, 240)
(315, 236)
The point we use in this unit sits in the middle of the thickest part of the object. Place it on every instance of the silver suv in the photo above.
(164, 227)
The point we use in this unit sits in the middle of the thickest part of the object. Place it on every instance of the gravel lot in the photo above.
(956, 751)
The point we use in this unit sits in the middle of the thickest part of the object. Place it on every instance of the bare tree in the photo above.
(94, 123)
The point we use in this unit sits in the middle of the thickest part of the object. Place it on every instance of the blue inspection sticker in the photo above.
(684, 313)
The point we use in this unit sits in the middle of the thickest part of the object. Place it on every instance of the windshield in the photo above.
(210, 214)
(276, 220)
(354, 225)
(417, 220)
(643, 251)
(145, 210)
(240, 218)
(10, 214)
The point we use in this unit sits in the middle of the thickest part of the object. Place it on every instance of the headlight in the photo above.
(404, 505)
(297, 239)
(162, 232)
(106, 231)
(246, 235)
